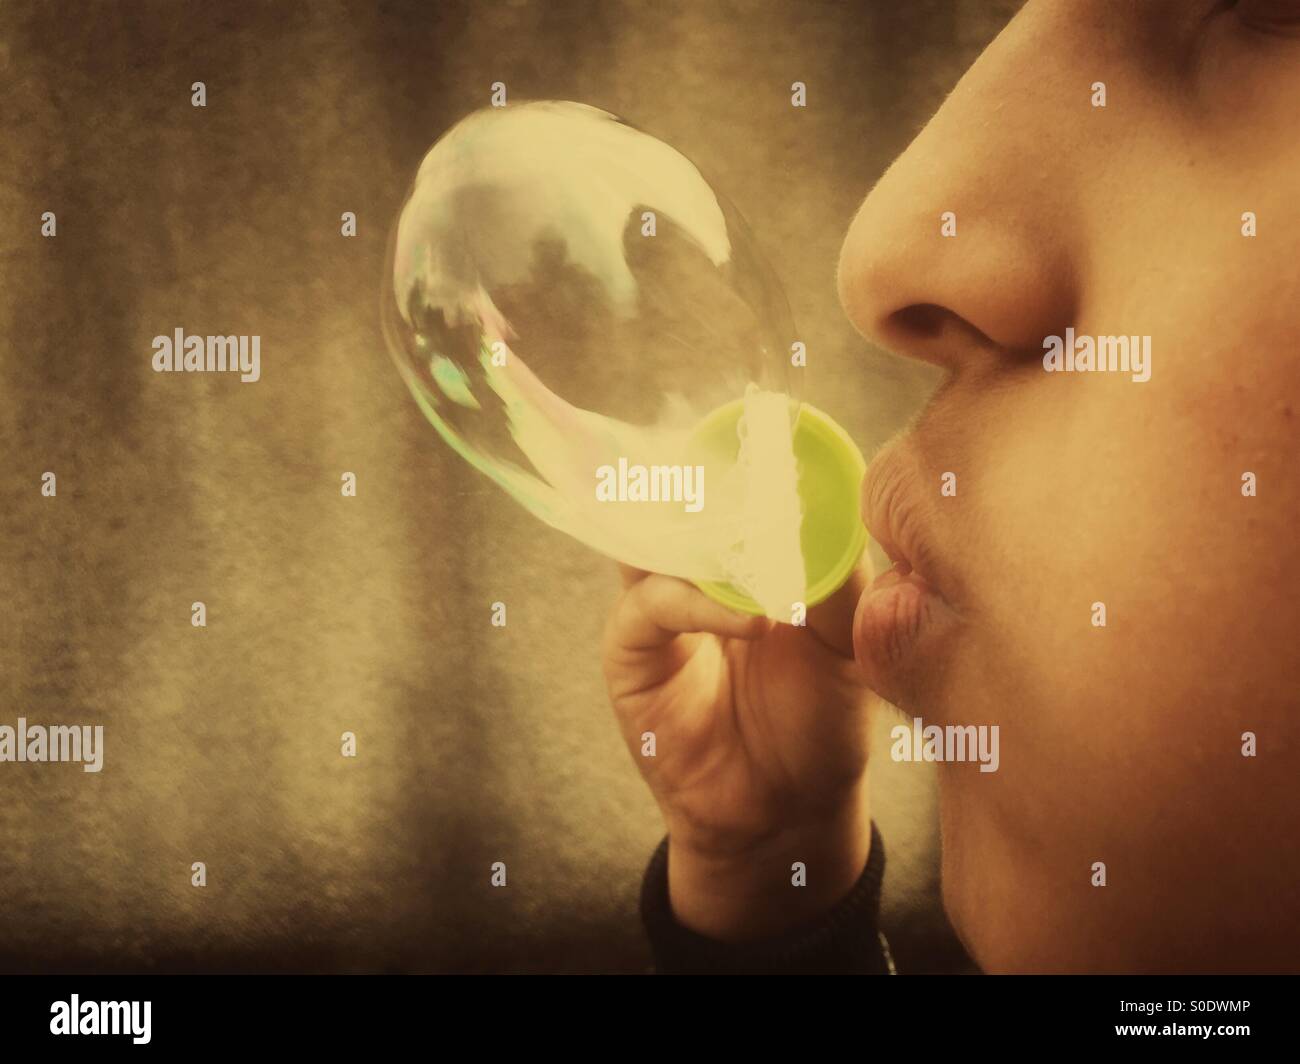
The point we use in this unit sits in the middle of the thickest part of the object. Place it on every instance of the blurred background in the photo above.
(371, 614)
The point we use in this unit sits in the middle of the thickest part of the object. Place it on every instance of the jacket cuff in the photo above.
(846, 940)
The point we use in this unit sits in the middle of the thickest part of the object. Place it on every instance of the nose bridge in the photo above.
(997, 156)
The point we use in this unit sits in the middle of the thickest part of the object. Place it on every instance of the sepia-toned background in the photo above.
(328, 614)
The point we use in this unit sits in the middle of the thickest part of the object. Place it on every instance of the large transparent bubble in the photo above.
(589, 323)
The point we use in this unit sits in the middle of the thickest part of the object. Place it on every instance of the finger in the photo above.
(630, 574)
(831, 621)
(657, 609)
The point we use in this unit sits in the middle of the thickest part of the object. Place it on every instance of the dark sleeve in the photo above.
(845, 940)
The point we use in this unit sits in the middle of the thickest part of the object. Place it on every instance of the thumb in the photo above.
(831, 621)
(653, 611)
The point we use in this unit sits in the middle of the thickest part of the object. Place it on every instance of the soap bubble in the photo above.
(589, 323)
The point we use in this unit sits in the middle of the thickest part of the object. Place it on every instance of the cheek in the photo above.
(1131, 531)
(1105, 525)
(1124, 498)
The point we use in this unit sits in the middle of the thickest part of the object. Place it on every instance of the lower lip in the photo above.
(898, 621)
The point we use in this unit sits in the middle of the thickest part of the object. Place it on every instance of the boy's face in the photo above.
(1120, 744)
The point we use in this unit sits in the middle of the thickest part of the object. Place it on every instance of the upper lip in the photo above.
(894, 509)
(904, 624)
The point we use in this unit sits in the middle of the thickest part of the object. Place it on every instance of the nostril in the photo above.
(921, 320)
(933, 333)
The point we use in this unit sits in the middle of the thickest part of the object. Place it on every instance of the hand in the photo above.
(760, 733)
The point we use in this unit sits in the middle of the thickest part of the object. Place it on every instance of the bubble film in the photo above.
(568, 300)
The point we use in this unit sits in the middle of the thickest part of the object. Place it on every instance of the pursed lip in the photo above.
(905, 618)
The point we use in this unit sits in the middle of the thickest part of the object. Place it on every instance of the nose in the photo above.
(963, 253)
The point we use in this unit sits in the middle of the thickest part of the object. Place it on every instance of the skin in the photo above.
(1119, 744)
